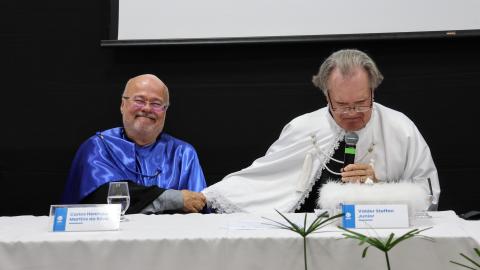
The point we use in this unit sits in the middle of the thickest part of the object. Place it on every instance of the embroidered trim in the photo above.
(317, 175)
(220, 203)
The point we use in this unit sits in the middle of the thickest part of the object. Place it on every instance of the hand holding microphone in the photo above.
(355, 172)
(358, 172)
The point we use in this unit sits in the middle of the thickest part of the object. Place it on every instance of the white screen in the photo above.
(199, 19)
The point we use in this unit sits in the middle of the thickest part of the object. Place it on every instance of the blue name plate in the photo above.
(375, 216)
(84, 217)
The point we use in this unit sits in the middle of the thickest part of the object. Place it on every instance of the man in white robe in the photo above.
(390, 147)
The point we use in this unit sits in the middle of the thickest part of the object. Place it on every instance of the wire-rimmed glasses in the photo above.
(348, 109)
(140, 102)
(360, 108)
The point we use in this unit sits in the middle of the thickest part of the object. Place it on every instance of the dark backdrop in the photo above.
(230, 101)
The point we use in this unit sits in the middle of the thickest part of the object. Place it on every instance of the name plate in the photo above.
(375, 216)
(84, 217)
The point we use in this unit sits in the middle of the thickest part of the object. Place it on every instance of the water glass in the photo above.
(118, 193)
(423, 213)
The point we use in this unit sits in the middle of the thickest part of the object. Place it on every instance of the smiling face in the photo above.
(143, 124)
(350, 90)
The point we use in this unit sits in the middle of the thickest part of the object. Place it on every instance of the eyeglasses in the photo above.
(348, 109)
(139, 103)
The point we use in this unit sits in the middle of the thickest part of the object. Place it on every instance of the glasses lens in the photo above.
(140, 103)
(159, 107)
(362, 108)
(356, 109)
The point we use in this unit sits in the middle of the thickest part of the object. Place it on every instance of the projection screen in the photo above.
(216, 21)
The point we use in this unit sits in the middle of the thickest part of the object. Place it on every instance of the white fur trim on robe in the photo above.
(285, 175)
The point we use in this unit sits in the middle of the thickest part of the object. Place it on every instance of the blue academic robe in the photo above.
(108, 156)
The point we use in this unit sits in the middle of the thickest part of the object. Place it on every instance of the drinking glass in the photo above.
(118, 193)
(423, 213)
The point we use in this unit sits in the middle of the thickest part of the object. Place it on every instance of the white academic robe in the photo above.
(285, 175)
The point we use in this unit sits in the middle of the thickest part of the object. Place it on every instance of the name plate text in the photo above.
(375, 216)
(84, 217)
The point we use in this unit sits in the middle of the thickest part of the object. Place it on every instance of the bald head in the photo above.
(146, 81)
(144, 103)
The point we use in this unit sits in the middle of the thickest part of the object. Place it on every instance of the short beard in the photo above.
(141, 134)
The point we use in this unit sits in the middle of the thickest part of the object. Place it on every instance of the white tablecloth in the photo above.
(235, 241)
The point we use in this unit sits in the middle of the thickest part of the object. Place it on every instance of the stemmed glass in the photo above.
(118, 193)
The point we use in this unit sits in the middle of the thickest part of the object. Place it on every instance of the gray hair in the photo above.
(346, 61)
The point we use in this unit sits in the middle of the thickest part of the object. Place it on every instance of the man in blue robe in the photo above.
(163, 173)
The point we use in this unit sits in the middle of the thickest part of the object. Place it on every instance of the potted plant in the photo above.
(319, 222)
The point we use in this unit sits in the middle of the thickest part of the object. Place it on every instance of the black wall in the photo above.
(230, 101)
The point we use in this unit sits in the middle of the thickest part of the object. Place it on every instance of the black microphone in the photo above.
(351, 139)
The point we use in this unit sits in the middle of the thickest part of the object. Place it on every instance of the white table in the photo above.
(197, 241)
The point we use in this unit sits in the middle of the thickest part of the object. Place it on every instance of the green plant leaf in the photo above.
(389, 240)
(407, 235)
(363, 238)
(364, 253)
(294, 226)
(377, 243)
(362, 241)
(463, 265)
(318, 223)
(305, 221)
(279, 224)
(470, 260)
(321, 221)
(352, 232)
(477, 251)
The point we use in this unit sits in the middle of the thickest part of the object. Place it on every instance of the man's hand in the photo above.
(358, 172)
(193, 202)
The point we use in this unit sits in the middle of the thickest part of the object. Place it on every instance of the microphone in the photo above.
(351, 139)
